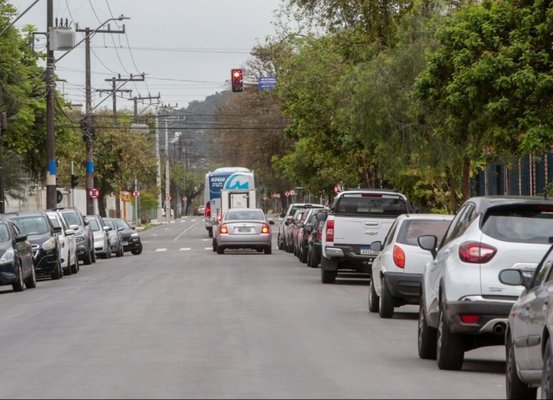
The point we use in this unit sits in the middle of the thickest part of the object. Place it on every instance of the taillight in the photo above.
(469, 318)
(265, 229)
(330, 230)
(476, 252)
(399, 256)
(223, 229)
(207, 211)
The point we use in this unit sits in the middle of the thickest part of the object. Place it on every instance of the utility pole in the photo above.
(89, 131)
(138, 98)
(167, 180)
(3, 127)
(158, 173)
(51, 195)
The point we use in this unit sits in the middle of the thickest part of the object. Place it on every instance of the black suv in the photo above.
(83, 235)
(43, 237)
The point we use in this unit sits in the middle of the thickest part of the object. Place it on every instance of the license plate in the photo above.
(125, 243)
(367, 251)
(244, 230)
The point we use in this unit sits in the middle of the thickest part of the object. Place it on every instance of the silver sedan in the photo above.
(243, 228)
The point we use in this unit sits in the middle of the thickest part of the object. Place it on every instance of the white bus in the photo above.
(228, 187)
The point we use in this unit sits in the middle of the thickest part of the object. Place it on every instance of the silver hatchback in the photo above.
(243, 228)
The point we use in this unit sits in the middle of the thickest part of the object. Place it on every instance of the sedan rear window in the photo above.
(245, 215)
(523, 224)
(32, 225)
(411, 230)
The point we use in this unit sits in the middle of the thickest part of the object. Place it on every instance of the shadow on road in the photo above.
(406, 315)
(490, 366)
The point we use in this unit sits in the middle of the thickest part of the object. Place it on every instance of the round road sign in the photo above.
(94, 193)
(136, 193)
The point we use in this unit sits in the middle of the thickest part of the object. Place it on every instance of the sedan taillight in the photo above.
(265, 229)
(223, 229)
(399, 257)
(476, 252)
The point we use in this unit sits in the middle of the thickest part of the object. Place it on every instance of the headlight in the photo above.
(79, 239)
(8, 256)
(50, 244)
(135, 234)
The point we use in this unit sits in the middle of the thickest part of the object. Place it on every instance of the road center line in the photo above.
(186, 230)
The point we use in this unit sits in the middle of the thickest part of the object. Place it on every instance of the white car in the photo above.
(464, 306)
(68, 257)
(397, 270)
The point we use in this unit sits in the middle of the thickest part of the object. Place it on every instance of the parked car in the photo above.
(43, 237)
(243, 228)
(293, 229)
(397, 270)
(357, 218)
(69, 259)
(83, 235)
(101, 236)
(528, 343)
(131, 239)
(463, 304)
(308, 219)
(286, 218)
(115, 237)
(314, 241)
(16, 258)
(200, 210)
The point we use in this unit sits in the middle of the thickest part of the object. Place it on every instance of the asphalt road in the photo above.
(180, 321)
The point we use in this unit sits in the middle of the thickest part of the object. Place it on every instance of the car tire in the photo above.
(120, 252)
(210, 232)
(427, 336)
(68, 271)
(303, 254)
(386, 301)
(514, 387)
(30, 282)
(19, 285)
(547, 373)
(75, 267)
(214, 245)
(220, 250)
(268, 249)
(136, 252)
(58, 272)
(374, 304)
(280, 243)
(328, 276)
(93, 255)
(450, 348)
(87, 258)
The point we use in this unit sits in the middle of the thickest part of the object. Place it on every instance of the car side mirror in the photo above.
(107, 228)
(376, 246)
(428, 242)
(74, 227)
(57, 229)
(514, 277)
(69, 232)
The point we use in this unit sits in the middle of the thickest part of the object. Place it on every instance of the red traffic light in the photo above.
(237, 80)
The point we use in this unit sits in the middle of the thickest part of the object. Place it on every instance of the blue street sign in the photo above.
(266, 83)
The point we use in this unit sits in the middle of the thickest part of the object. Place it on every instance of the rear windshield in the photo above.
(245, 215)
(371, 204)
(32, 225)
(93, 224)
(527, 224)
(72, 218)
(411, 230)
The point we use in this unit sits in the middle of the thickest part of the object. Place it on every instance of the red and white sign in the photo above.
(136, 193)
(168, 198)
(94, 193)
(292, 192)
(287, 194)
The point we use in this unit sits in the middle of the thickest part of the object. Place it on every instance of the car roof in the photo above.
(485, 202)
(447, 217)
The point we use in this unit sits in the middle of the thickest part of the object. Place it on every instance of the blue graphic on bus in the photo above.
(238, 182)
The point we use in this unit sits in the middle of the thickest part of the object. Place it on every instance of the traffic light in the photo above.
(236, 77)
(74, 181)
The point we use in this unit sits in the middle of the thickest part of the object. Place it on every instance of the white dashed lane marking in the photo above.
(185, 249)
(161, 249)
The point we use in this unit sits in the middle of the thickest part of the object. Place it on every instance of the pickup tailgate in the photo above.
(360, 231)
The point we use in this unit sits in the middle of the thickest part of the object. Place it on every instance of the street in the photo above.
(180, 321)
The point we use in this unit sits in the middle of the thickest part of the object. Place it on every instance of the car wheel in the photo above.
(328, 276)
(87, 258)
(450, 348)
(374, 304)
(427, 337)
(75, 267)
(18, 286)
(515, 388)
(58, 272)
(120, 251)
(289, 248)
(136, 251)
(214, 245)
(108, 252)
(280, 243)
(68, 270)
(210, 232)
(30, 282)
(386, 301)
(93, 255)
(220, 250)
(268, 249)
(303, 254)
(547, 373)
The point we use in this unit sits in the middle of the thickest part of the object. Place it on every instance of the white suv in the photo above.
(463, 304)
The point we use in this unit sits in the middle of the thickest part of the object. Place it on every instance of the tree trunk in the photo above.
(466, 178)
(452, 190)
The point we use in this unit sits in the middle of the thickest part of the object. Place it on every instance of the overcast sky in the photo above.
(186, 47)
